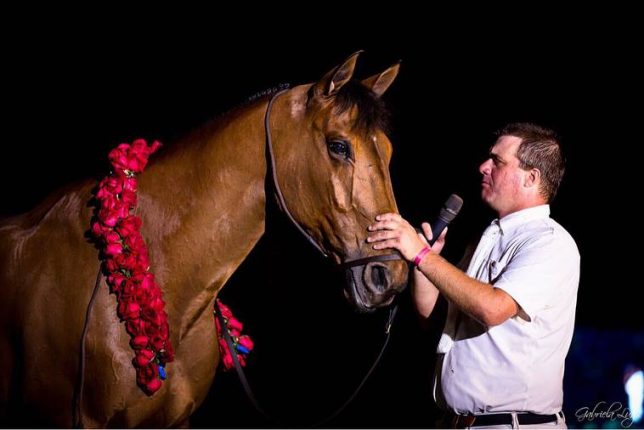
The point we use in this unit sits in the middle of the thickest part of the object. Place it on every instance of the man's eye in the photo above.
(340, 147)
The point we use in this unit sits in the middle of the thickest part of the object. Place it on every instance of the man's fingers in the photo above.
(388, 217)
(390, 243)
(382, 235)
(427, 230)
(384, 225)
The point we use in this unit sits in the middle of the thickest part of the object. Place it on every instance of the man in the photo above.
(511, 314)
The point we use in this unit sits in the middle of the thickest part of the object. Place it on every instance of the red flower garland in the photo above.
(126, 264)
(243, 344)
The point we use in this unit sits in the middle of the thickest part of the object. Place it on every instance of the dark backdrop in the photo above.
(73, 90)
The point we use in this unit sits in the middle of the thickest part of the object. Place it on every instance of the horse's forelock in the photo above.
(371, 110)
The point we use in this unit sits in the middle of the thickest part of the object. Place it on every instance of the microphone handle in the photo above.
(437, 229)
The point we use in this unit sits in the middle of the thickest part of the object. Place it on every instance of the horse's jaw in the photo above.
(362, 297)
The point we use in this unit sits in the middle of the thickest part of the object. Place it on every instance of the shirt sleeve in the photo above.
(541, 271)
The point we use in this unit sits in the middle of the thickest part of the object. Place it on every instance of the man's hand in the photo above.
(393, 231)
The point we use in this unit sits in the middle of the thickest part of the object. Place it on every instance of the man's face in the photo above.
(503, 179)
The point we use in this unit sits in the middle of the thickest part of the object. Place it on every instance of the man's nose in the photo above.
(484, 168)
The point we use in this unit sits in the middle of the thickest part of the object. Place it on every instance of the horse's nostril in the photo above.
(379, 276)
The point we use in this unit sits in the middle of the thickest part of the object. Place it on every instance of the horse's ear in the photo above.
(340, 75)
(379, 83)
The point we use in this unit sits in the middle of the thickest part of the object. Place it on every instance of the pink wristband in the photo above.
(419, 257)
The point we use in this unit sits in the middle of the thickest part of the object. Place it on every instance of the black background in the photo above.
(74, 88)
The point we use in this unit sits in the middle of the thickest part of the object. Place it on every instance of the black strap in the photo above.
(238, 367)
(524, 418)
(77, 399)
(390, 320)
(363, 261)
(271, 166)
(249, 392)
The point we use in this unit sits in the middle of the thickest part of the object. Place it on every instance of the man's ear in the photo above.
(533, 178)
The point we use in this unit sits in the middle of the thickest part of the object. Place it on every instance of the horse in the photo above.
(203, 202)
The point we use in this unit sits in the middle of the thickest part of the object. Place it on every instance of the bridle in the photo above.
(347, 265)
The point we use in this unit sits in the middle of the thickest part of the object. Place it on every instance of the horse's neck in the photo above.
(203, 210)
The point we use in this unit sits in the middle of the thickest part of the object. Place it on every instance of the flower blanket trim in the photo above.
(243, 344)
(126, 266)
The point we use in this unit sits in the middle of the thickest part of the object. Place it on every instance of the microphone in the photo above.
(448, 212)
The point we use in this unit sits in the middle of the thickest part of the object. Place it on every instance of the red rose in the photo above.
(139, 151)
(146, 374)
(153, 386)
(108, 217)
(111, 236)
(128, 292)
(148, 281)
(235, 324)
(135, 327)
(128, 198)
(152, 315)
(225, 310)
(118, 156)
(158, 342)
(128, 310)
(130, 184)
(111, 265)
(110, 186)
(113, 249)
(143, 357)
(125, 261)
(116, 280)
(246, 342)
(139, 342)
(129, 225)
(98, 229)
(135, 243)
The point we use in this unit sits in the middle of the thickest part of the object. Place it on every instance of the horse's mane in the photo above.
(265, 93)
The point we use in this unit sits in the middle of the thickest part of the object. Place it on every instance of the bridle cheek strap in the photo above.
(366, 260)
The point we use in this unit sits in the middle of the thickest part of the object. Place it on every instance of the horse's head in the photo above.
(332, 156)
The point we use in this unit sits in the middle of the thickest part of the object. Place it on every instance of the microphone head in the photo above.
(451, 208)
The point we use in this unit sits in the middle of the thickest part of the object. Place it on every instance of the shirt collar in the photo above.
(515, 219)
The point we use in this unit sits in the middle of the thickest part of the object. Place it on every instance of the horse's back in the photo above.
(30, 243)
(47, 265)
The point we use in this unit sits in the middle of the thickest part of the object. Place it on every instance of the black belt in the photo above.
(525, 418)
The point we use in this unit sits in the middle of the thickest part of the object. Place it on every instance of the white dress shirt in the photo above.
(519, 364)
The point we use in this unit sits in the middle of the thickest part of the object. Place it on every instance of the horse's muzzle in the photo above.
(374, 284)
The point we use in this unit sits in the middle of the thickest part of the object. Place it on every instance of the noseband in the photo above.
(347, 264)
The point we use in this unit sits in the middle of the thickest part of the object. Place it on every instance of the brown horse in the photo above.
(203, 205)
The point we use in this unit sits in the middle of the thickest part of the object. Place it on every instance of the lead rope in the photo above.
(390, 320)
(249, 391)
(77, 399)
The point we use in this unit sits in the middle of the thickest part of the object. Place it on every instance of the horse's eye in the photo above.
(340, 147)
